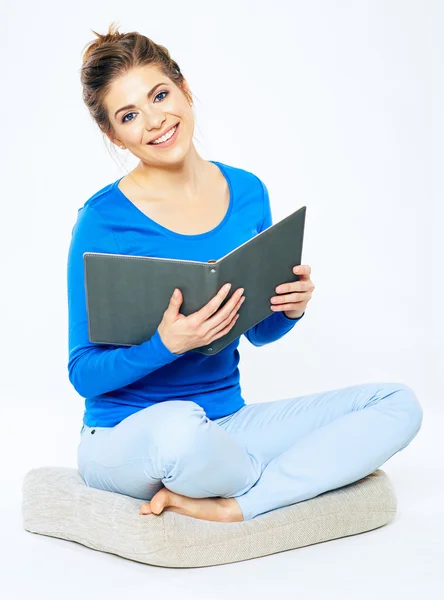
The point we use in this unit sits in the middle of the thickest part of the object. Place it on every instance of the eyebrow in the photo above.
(150, 93)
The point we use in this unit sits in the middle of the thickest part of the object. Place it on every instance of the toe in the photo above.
(145, 509)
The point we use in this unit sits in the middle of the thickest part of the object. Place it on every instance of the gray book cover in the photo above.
(127, 295)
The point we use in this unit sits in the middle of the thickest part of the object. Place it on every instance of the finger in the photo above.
(288, 298)
(223, 318)
(225, 330)
(303, 270)
(282, 307)
(303, 285)
(225, 324)
(211, 307)
(232, 303)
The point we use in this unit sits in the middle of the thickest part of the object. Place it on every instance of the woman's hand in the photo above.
(294, 296)
(180, 333)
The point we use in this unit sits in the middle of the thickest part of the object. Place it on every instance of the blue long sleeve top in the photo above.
(117, 381)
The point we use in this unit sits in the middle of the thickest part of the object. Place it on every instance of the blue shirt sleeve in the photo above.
(98, 368)
(278, 324)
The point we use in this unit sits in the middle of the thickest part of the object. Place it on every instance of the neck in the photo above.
(182, 179)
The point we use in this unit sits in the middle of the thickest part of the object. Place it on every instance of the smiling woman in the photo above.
(114, 68)
(163, 423)
(140, 100)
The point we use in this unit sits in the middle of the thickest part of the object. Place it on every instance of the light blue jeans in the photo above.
(266, 455)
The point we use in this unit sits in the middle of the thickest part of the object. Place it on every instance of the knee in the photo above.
(177, 432)
(408, 401)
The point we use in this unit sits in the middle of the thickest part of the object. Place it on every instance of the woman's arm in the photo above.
(96, 369)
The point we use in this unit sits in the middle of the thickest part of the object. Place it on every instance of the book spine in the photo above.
(213, 279)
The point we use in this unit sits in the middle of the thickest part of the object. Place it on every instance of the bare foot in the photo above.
(210, 509)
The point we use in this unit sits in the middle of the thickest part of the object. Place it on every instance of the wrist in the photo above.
(293, 315)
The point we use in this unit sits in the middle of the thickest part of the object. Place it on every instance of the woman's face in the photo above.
(153, 113)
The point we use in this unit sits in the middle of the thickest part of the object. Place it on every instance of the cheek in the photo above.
(132, 133)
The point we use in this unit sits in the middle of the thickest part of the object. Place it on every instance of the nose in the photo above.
(154, 124)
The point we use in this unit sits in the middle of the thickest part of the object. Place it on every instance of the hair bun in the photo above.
(112, 35)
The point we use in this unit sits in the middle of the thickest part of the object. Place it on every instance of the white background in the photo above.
(337, 106)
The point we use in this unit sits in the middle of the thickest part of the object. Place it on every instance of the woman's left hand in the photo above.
(294, 296)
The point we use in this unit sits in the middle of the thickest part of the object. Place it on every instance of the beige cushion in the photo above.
(58, 503)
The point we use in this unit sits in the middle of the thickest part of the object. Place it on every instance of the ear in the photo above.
(187, 88)
(114, 140)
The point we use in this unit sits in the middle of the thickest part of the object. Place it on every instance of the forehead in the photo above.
(126, 88)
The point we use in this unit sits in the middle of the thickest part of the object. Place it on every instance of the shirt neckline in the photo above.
(170, 232)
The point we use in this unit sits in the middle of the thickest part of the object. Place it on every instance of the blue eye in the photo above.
(123, 119)
(131, 113)
(162, 93)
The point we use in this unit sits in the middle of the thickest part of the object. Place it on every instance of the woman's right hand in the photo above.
(180, 333)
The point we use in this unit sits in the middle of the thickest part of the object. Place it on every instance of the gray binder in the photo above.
(127, 295)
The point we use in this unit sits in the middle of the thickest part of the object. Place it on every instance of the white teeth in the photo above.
(165, 137)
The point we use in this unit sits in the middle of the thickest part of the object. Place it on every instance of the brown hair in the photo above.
(114, 54)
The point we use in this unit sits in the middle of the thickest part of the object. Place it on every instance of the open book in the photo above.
(127, 295)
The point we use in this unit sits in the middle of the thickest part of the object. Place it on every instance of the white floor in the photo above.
(401, 560)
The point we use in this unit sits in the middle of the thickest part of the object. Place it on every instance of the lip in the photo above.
(162, 134)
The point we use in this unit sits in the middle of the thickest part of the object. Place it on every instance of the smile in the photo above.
(167, 139)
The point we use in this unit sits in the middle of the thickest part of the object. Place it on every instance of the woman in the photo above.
(168, 425)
